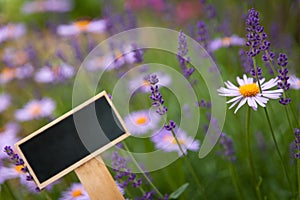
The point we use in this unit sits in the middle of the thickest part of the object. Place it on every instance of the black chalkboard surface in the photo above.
(62, 145)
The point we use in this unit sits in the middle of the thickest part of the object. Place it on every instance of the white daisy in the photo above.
(55, 73)
(12, 31)
(165, 141)
(97, 26)
(113, 60)
(294, 82)
(248, 91)
(75, 192)
(36, 109)
(140, 122)
(225, 42)
(47, 6)
(143, 84)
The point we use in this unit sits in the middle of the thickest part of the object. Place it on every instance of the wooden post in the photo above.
(97, 180)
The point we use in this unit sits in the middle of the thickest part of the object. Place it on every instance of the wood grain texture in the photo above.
(97, 180)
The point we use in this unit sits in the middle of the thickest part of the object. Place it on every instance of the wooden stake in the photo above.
(97, 180)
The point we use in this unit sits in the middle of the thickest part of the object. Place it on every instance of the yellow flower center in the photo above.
(77, 193)
(249, 90)
(226, 41)
(35, 109)
(298, 82)
(118, 55)
(171, 139)
(8, 73)
(18, 168)
(146, 83)
(82, 24)
(141, 120)
(56, 69)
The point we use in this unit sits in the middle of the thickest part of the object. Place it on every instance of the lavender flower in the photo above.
(20, 169)
(283, 77)
(202, 34)
(257, 73)
(182, 52)
(297, 142)
(125, 177)
(256, 37)
(227, 145)
(246, 61)
(47, 6)
(156, 97)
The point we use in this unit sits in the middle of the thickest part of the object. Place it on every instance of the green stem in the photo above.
(277, 149)
(288, 118)
(250, 159)
(189, 165)
(7, 186)
(142, 171)
(235, 181)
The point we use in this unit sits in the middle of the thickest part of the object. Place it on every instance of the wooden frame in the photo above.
(85, 159)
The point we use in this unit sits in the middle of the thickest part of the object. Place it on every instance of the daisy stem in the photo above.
(235, 181)
(250, 159)
(189, 165)
(142, 171)
(277, 149)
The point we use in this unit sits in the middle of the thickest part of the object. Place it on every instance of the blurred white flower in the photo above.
(36, 109)
(225, 42)
(97, 26)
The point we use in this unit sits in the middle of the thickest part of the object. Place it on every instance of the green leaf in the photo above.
(179, 191)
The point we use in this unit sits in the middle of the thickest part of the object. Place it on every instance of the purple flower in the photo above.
(12, 31)
(225, 42)
(8, 137)
(82, 26)
(140, 122)
(297, 143)
(18, 170)
(182, 52)
(228, 148)
(164, 140)
(123, 176)
(156, 97)
(283, 77)
(75, 192)
(294, 82)
(47, 6)
(202, 34)
(54, 74)
(5, 101)
(256, 37)
(35, 109)
(142, 83)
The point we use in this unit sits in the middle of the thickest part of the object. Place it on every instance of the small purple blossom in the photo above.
(283, 77)
(297, 143)
(257, 73)
(156, 96)
(228, 148)
(19, 170)
(170, 126)
(182, 52)
(202, 34)
(256, 37)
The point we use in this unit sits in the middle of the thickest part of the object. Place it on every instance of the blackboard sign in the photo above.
(72, 139)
